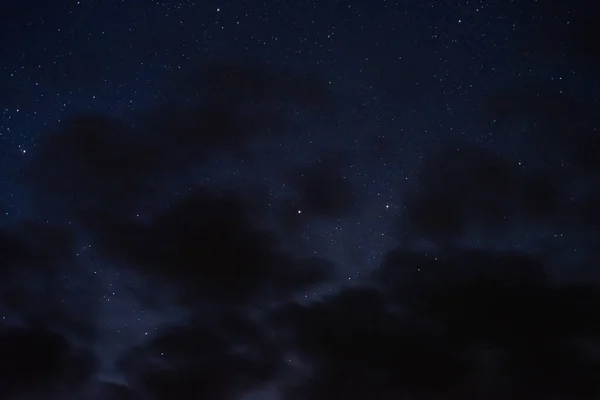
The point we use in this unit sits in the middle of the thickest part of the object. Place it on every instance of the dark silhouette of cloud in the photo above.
(211, 361)
(117, 392)
(33, 258)
(104, 162)
(480, 325)
(375, 356)
(466, 188)
(208, 244)
(11, 251)
(453, 323)
(407, 273)
(563, 126)
(39, 362)
(98, 161)
(46, 317)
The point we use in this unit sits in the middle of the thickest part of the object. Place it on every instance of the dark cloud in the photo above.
(43, 315)
(209, 244)
(480, 325)
(44, 244)
(11, 251)
(566, 142)
(449, 324)
(37, 362)
(466, 188)
(115, 391)
(216, 361)
(103, 390)
(101, 162)
(456, 324)
(359, 348)
(33, 261)
(98, 161)
(406, 273)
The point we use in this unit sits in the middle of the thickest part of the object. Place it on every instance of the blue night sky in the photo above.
(299, 200)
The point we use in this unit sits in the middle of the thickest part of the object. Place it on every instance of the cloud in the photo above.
(561, 124)
(466, 187)
(100, 161)
(210, 361)
(11, 251)
(97, 161)
(34, 259)
(457, 323)
(111, 391)
(42, 314)
(480, 324)
(101, 173)
(453, 324)
(39, 362)
(208, 243)
(359, 348)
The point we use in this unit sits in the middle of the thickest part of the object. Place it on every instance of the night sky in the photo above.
(299, 200)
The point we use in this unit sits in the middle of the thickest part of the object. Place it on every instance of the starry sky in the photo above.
(247, 199)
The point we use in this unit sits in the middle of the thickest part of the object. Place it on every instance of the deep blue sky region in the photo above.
(299, 200)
